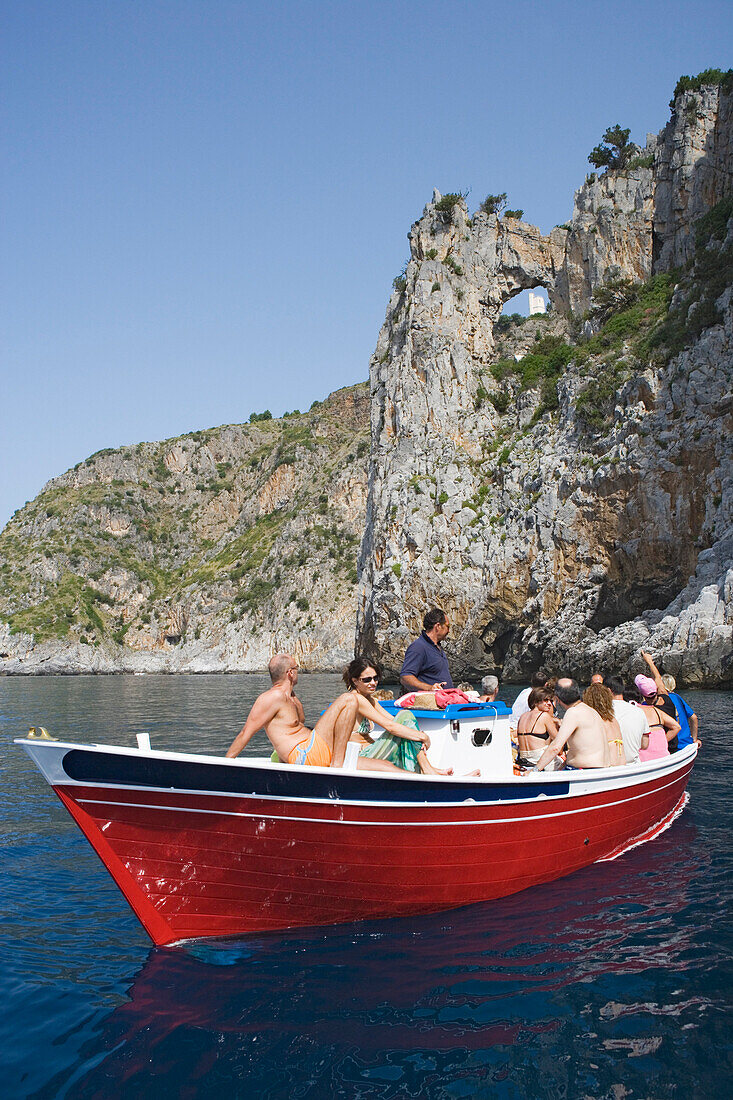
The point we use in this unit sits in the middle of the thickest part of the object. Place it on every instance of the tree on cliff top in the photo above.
(723, 77)
(494, 204)
(444, 207)
(615, 150)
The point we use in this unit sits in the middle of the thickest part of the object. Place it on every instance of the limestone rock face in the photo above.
(610, 236)
(557, 533)
(693, 170)
(204, 553)
(548, 544)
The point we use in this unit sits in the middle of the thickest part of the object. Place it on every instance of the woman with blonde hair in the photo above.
(600, 699)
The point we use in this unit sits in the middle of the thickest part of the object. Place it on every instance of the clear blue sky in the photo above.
(205, 202)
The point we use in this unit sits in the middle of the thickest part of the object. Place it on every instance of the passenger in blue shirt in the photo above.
(425, 667)
(685, 714)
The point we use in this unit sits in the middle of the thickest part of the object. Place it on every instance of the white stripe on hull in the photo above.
(342, 821)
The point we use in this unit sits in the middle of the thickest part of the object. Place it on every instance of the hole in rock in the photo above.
(525, 305)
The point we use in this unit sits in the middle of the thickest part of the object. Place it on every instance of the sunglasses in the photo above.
(368, 679)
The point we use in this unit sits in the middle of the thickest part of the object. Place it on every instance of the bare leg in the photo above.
(427, 768)
(366, 764)
(336, 726)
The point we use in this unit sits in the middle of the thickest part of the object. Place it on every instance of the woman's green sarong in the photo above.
(397, 750)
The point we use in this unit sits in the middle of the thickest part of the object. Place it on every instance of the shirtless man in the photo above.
(581, 730)
(280, 713)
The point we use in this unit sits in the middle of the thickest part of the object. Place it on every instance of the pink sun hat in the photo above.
(646, 685)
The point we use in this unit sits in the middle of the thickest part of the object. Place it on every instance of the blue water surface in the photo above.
(614, 982)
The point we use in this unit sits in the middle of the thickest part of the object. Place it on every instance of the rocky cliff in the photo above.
(566, 500)
(560, 484)
(206, 552)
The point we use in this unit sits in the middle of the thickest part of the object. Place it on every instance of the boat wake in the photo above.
(650, 834)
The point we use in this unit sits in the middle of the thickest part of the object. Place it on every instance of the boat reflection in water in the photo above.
(550, 991)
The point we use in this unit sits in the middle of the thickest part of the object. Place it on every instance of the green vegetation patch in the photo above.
(245, 553)
(643, 306)
(508, 321)
(615, 150)
(493, 204)
(723, 77)
(258, 592)
(710, 275)
(445, 206)
(69, 601)
(645, 160)
(542, 367)
(596, 402)
(624, 340)
(294, 436)
(714, 224)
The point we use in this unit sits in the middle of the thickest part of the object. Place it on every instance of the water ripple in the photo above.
(611, 983)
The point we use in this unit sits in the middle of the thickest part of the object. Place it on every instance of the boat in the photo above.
(202, 846)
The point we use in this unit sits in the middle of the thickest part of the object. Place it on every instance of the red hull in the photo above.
(197, 865)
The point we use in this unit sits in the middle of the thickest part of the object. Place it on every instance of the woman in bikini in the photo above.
(402, 744)
(662, 727)
(600, 699)
(536, 727)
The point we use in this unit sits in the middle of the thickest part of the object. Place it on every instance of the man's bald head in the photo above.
(280, 665)
(567, 691)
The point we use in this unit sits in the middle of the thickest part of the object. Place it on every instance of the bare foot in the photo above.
(428, 769)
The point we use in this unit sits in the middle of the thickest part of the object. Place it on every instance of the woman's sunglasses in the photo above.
(368, 679)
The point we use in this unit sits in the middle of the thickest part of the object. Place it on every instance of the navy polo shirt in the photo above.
(427, 661)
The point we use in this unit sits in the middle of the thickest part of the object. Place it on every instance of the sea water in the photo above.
(614, 982)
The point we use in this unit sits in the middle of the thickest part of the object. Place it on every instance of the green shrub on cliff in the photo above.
(69, 600)
(714, 224)
(640, 309)
(622, 344)
(597, 400)
(710, 275)
(445, 206)
(645, 160)
(501, 401)
(507, 320)
(709, 76)
(542, 367)
(548, 359)
(257, 594)
(493, 204)
(451, 264)
(615, 151)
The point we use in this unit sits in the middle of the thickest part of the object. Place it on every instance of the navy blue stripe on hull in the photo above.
(145, 771)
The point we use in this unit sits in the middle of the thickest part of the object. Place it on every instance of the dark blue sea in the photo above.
(614, 982)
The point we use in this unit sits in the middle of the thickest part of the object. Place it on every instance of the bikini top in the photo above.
(531, 733)
(364, 729)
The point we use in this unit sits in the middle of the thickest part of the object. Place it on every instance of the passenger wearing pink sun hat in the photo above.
(662, 728)
(646, 686)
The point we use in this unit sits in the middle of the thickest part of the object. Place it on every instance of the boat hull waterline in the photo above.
(203, 847)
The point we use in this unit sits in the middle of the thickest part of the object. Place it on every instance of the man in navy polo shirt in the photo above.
(425, 667)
